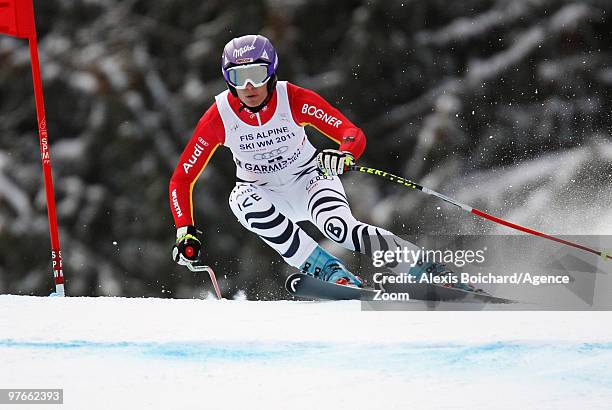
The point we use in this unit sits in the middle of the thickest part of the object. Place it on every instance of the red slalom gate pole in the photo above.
(411, 184)
(56, 253)
(17, 20)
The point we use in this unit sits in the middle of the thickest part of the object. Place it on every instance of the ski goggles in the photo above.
(256, 74)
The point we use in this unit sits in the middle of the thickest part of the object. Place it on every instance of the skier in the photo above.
(281, 178)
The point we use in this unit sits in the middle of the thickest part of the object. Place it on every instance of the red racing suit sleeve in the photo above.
(207, 136)
(309, 108)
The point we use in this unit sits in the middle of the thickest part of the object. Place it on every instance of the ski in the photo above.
(305, 286)
(302, 285)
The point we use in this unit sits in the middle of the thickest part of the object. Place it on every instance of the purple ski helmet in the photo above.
(246, 50)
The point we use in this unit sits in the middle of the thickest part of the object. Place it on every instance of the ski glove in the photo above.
(332, 162)
(187, 247)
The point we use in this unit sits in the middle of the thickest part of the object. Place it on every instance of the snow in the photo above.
(183, 354)
(468, 28)
(543, 195)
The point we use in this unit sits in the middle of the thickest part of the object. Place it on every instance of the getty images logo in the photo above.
(240, 51)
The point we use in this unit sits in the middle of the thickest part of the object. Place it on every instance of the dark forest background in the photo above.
(504, 104)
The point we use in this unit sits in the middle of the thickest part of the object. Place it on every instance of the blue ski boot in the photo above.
(322, 265)
(440, 270)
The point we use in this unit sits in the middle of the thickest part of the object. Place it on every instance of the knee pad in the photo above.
(243, 196)
(248, 204)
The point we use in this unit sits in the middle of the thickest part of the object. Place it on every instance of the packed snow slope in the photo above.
(119, 353)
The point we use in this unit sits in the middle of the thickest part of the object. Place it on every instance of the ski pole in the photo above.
(211, 273)
(411, 184)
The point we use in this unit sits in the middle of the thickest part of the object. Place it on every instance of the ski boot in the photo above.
(322, 265)
(440, 270)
